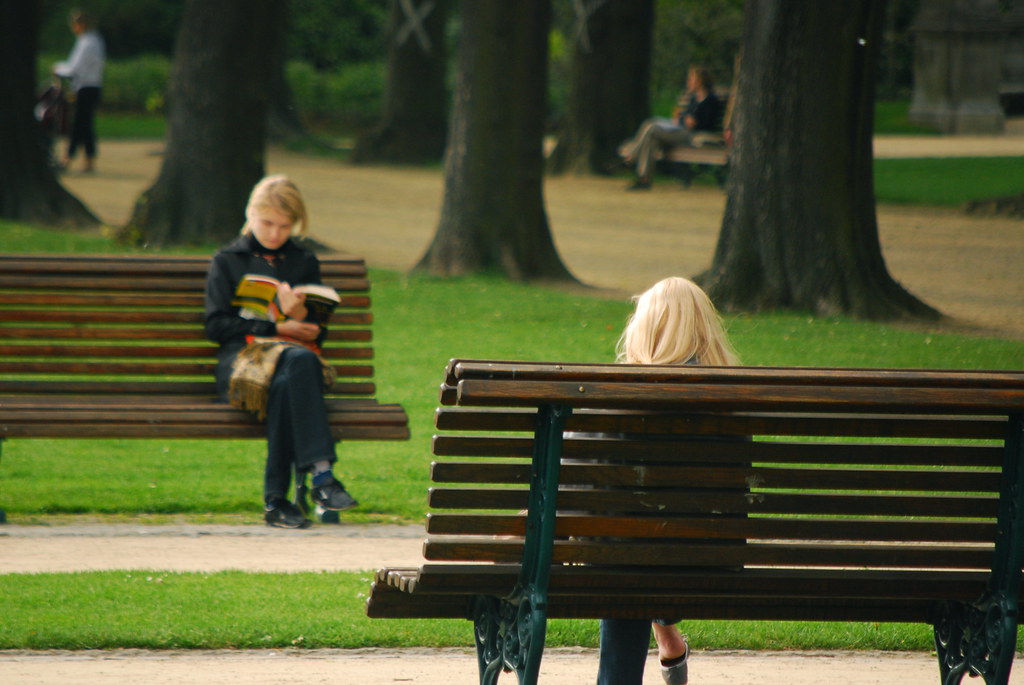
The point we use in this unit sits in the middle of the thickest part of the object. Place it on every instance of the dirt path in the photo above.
(968, 267)
(444, 667)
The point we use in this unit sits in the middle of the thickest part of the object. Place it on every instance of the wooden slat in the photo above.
(734, 423)
(657, 528)
(905, 400)
(749, 375)
(723, 476)
(695, 554)
(763, 503)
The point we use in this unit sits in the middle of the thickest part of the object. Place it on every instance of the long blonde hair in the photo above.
(674, 322)
(280, 193)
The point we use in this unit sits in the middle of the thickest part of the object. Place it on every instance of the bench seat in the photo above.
(113, 346)
(620, 491)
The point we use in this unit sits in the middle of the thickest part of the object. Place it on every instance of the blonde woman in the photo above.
(674, 322)
(298, 434)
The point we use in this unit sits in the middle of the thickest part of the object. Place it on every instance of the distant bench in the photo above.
(113, 346)
(686, 162)
(722, 493)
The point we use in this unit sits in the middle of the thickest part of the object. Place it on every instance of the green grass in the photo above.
(160, 480)
(121, 125)
(101, 610)
(947, 181)
(483, 318)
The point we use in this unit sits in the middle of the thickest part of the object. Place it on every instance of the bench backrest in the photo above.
(686, 468)
(101, 324)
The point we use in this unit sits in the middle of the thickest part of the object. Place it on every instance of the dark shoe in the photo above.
(676, 671)
(283, 514)
(333, 496)
(639, 185)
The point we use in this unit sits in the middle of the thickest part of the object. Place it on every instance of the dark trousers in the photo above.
(83, 128)
(624, 647)
(298, 434)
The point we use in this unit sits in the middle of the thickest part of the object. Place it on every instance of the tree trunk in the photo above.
(800, 229)
(492, 216)
(609, 94)
(216, 126)
(29, 190)
(413, 125)
(283, 121)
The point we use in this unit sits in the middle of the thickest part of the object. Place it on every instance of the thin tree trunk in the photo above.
(414, 121)
(800, 229)
(29, 190)
(609, 83)
(493, 217)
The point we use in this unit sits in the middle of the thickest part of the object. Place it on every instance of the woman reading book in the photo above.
(270, 365)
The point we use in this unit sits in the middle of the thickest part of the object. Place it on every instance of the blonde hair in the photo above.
(279, 193)
(675, 323)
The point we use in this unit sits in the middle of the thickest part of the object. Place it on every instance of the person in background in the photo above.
(276, 360)
(674, 322)
(696, 119)
(85, 69)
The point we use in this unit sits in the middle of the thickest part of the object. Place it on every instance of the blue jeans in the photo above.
(624, 647)
(298, 433)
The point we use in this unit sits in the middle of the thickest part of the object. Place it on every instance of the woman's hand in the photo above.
(300, 330)
(293, 304)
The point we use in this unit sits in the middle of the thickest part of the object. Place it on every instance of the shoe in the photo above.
(333, 496)
(639, 185)
(676, 671)
(281, 513)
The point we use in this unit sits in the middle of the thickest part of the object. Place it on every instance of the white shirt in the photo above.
(85, 64)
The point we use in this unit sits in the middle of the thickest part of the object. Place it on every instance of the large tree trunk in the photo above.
(216, 127)
(414, 121)
(29, 190)
(609, 93)
(492, 216)
(800, 229)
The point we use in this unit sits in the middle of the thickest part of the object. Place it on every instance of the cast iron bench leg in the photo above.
(510, 632)
(981, 638)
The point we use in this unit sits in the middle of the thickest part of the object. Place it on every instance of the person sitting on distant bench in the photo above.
(698, 114)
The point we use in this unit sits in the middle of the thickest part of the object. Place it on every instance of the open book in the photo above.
(257, 296)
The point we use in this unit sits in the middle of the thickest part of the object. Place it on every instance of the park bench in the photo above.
(686, 162)
(623, 491)
(108, 346)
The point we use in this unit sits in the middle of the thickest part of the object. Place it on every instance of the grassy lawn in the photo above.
(101, 610)
(48, 481)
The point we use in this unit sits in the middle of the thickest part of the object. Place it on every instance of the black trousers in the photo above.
(83, 128)
(623, 651)
(298, 434)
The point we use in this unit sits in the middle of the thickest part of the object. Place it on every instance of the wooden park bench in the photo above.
(621, 491)
(111, 346)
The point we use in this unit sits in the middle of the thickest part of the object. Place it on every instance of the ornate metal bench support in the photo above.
(981, 638)
(509, 632)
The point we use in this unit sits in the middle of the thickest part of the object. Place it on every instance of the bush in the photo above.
(346, 98)
(349, 98)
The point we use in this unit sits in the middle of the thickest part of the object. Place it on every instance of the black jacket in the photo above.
(291, 263)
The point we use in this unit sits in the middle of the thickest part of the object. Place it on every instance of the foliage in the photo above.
(689, 32)
(348, 98)
(329, 35)
(130, 29)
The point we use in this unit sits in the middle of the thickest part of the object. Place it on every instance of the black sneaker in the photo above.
(333, 496)
(283, 514)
